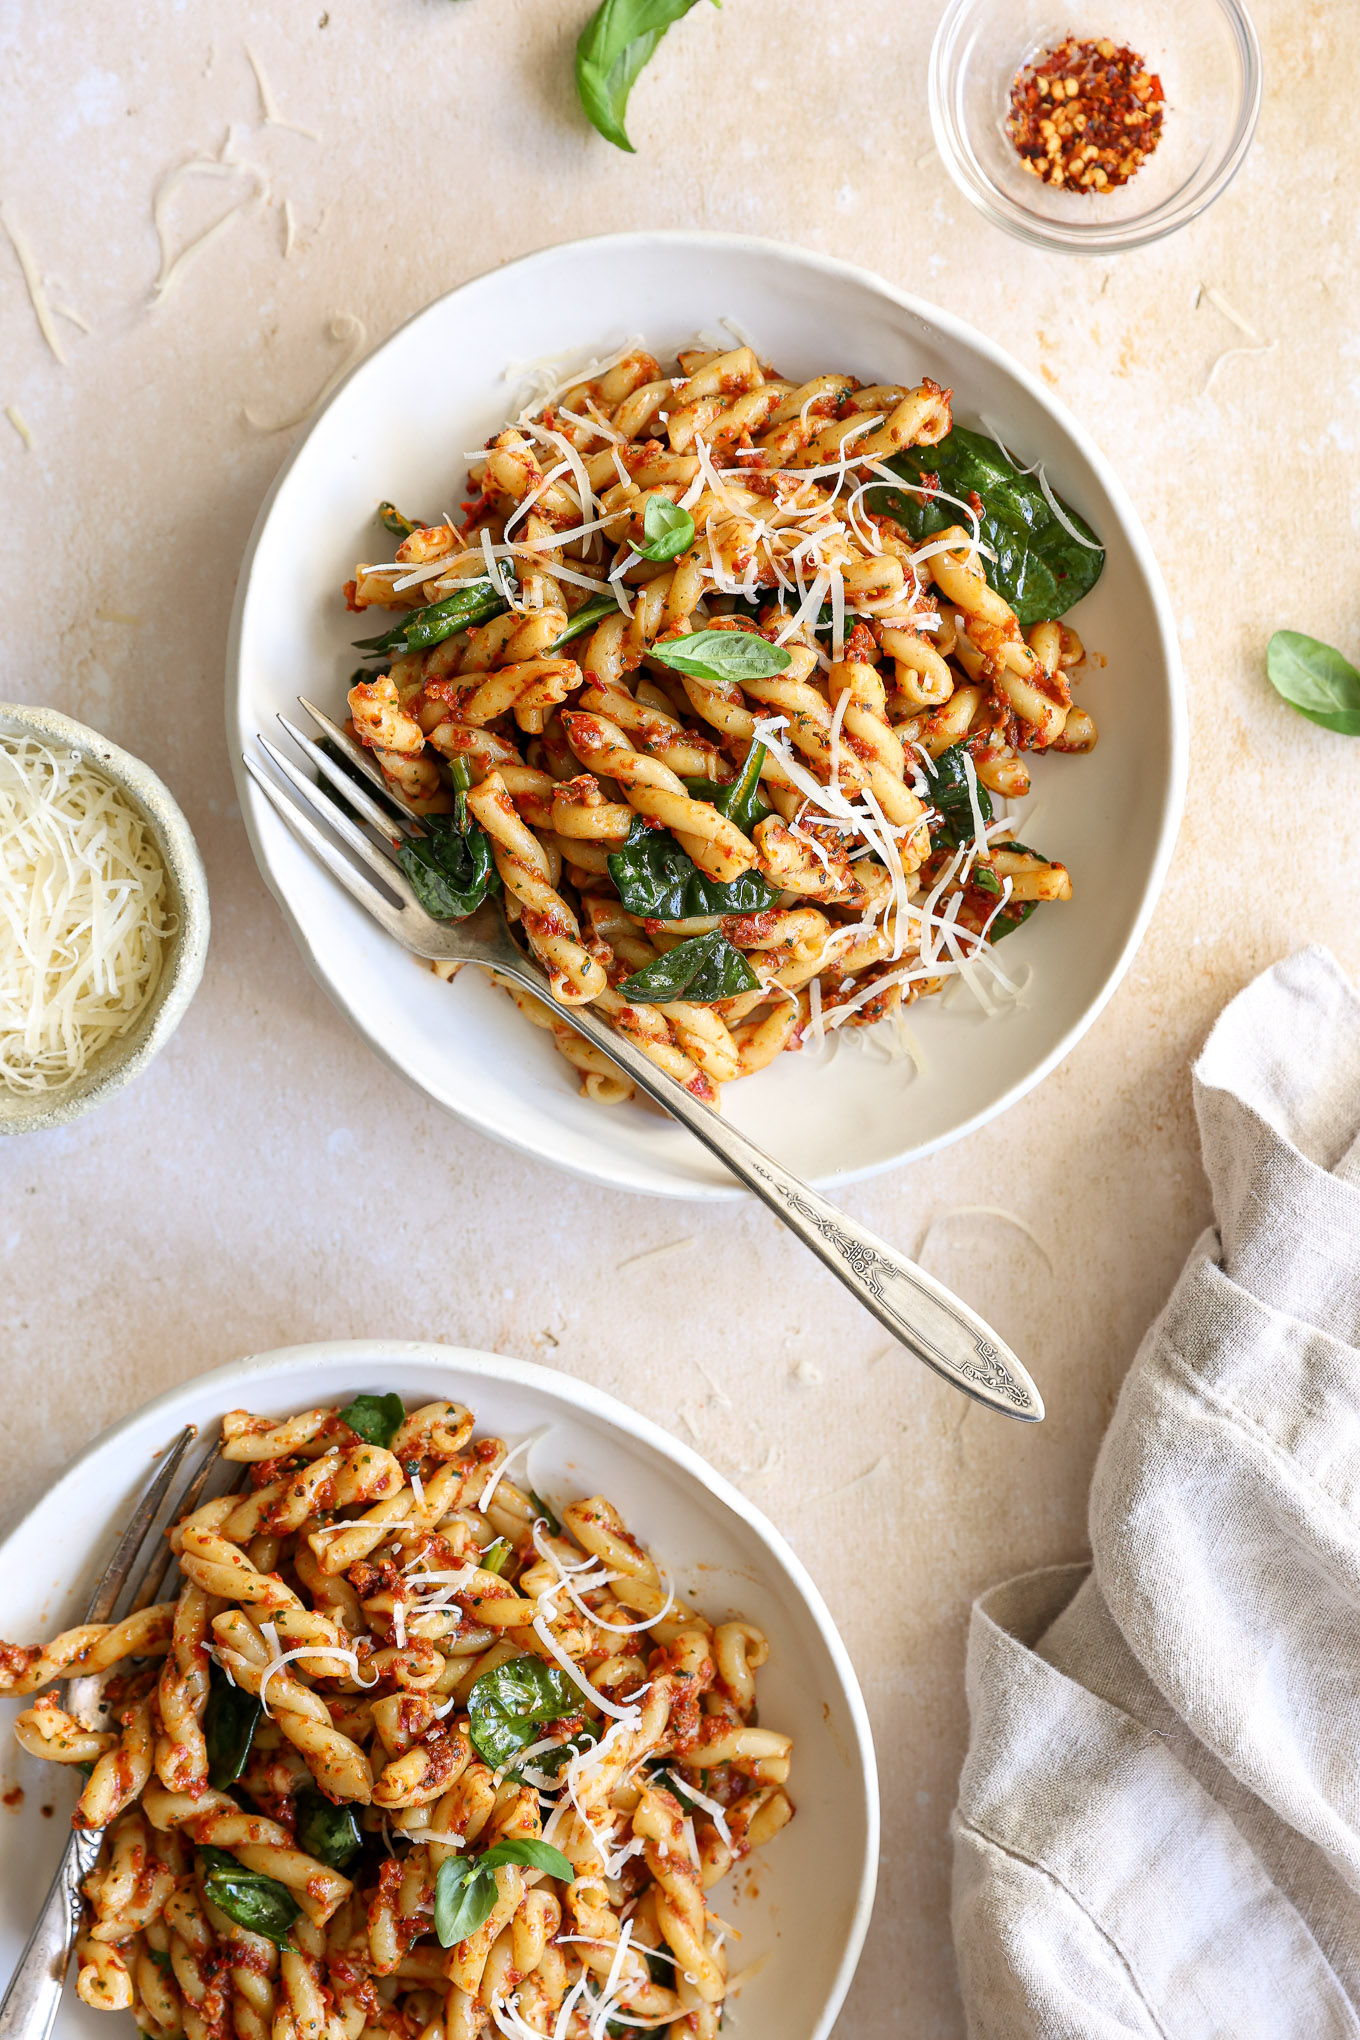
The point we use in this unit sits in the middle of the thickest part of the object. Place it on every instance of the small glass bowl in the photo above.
(1209, 62)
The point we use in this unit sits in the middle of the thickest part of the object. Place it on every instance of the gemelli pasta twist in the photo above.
(408, 1756)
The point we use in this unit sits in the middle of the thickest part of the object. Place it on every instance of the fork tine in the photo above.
(357, 755)
(143, 1516)
(311, 837)
(159, 1565)
(363, 803)
(379, 861)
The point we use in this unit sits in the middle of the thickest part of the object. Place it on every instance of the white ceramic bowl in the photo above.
(809, 1907)
(399, 428)
(186, 947)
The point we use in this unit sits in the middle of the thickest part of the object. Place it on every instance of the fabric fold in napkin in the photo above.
(1158, 1827)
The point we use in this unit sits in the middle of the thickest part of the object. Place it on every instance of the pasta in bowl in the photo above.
(682, 683)
(405, 1749)
(421, 413)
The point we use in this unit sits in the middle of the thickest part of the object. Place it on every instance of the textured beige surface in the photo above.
(269, 1181)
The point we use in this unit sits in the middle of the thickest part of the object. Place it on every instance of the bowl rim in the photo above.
(187, 950)
(949, 326)
(1108, 237)
(284, 1363)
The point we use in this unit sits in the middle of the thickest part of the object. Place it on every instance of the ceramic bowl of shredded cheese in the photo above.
(103, 918)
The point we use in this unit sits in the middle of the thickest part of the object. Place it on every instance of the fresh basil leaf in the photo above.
(229, 1721)
(983, 880)
(667, 528)
(949, 793)
(1039, 567)
(493, 1559)
(451, 869)
(528, 1850)
(1316, 680)
(722, 655)
(542, 1509)
(583, 619)
(477, 602)
(656, 880)
(506, 1706)
(376, 1418)
(1012, 917)
(392, 520)
(703, 970)
(328, 1832)
(618, 40)
(464, 1898)
(252, 1900)
(739, 799)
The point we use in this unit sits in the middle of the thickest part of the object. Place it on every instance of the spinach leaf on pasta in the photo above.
(740, 800)
(656, 880)
(949, 795)
(375, 1418)
(229, 1723)
(704, 970)
(1040, 568)
(450, 868)
(507, 1706)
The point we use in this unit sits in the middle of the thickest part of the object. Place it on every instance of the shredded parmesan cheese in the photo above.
(33, 282)
(82, 915)
(20, 424)
(269, 109)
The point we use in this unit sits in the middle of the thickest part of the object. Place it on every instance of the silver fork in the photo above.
(28, 2010)
(918, 1311)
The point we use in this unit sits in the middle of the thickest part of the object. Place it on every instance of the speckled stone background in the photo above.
(269, 1181)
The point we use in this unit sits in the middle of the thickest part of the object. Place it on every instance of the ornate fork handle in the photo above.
(29, 2008)
(917, 1310)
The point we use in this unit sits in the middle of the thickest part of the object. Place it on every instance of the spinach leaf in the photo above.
(741, 799)
(392, 520)
(215, 1859)
(667, 528)
(507, 1704)
(657, 881)
(949, 793)
(983, 880)
(351, 770)
(703, 970)
(330, 1833)
(551, 1761)
(536, 1855)
(722, 655)
(583, 619)
(228, 1728)
(617, 41)
(259, 1903)
(542, 1509)
(464, 1898)
(1039, 568)
(451, 870)
(1316, 680)
(1012, 917)
(375, 1418)
(494, 1557)
(420, 628)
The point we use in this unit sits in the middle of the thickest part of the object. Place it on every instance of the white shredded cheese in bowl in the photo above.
(83, 915)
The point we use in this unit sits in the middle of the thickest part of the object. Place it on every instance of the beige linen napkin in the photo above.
(1158, 1827)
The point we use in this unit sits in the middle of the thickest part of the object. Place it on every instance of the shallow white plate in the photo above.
(806, 1902)
(400, 427)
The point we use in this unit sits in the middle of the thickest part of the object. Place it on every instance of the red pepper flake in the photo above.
(1086, 116)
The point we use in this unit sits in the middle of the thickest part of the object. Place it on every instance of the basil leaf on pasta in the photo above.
(392, 520)
(1315, 679)
(229, 1721)
(583, 619)
(477, 602)
(740, 799)
(949, 794)
(535, 1855)
(703, 970)
(375, 1418)
(259, 1903)
(329, 1832)
(667, 528)
(507, 1705)
(722, 655)
(1039, 567)
(464, 1898)
(615, 44)
(658, 881)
